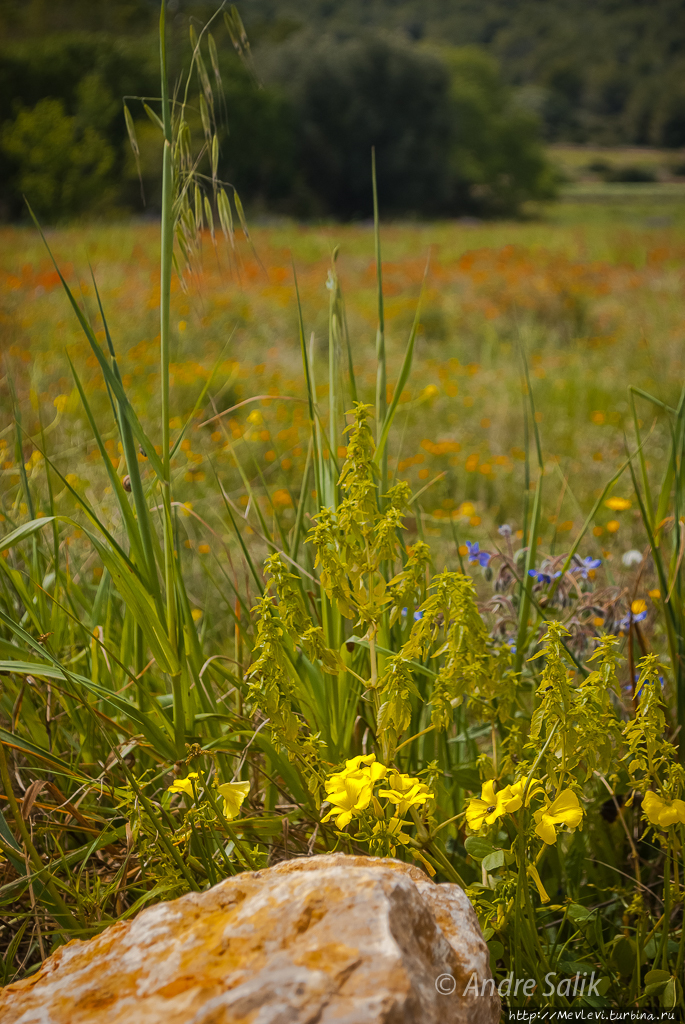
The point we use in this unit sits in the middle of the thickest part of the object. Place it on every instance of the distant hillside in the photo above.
(602, 71)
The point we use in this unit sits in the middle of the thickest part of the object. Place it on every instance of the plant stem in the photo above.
(26, 838)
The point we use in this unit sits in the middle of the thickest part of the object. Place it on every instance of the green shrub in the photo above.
(62, 168)
(448, 137)
(361, 92)
(497, 159)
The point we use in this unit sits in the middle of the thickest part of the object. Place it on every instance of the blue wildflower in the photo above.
(418, 615)
(585, 565)
(476, 555)
(631, 617)
(543, 577)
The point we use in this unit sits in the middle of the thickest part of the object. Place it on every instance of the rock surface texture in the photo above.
(323, 940)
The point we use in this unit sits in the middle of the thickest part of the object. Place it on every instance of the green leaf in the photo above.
(24, 531)
(579, 914)
(478, 848)
(493, 860)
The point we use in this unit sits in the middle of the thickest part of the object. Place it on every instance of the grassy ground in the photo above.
(592, 295)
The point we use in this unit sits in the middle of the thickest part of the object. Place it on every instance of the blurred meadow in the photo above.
(592, 296)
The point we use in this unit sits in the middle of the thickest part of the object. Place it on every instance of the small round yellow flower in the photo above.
(618, 504)
(349, 792)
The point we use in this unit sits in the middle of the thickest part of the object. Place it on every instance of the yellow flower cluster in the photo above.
(351, 791)
(563, 810)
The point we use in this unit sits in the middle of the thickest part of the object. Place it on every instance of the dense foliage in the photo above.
(596, 70)
(449, 137)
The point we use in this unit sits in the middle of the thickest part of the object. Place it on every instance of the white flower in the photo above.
(632, 557)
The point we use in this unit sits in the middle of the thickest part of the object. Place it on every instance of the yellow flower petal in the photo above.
(234, 794)
(533, 872)
(545, 828)
(184, 785)
(564, 810)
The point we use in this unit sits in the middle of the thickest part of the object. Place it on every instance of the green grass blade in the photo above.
(401, 382)
(381, 369)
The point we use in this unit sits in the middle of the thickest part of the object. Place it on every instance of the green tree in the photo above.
(351, 94)
(60, 167)
(496, 157)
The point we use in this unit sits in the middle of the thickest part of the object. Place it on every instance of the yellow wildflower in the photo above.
(352, 796)
(350, 790)
(405, 792)
(563, 810)
(663, 812)
(490, 806)
(185, 785)
(234, 794)
(618, 504)
(364, 763)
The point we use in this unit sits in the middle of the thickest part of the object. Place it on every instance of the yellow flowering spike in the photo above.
(184, 785)
(405, 792)
(234, 794)
(564, 810)
(663, 812)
